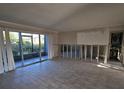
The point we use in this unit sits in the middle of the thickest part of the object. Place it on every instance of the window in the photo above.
(14, 38)
(42, 37)
(27, 44)
(36, 43)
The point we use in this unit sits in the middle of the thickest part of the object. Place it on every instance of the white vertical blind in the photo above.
(3, 50)
(1, 61)
(6, 56)
(11, 63)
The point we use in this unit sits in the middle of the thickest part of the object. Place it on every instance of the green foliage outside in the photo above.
(27, 45)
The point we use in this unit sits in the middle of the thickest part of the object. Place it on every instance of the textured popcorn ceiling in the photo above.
(63, 17)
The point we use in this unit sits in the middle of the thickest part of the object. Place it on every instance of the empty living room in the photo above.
(61, 46)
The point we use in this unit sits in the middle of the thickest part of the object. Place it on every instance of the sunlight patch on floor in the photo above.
(101, 66)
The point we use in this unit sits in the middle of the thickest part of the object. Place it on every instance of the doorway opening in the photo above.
(115, 48)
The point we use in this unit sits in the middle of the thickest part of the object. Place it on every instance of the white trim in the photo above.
(26, 28)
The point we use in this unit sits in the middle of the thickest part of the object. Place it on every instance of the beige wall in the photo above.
(52, 45)
(89, 38)
(55, 44)
(97, 36)
(67, 38)
(93, 37)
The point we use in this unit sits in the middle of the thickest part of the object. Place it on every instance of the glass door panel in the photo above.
(27, 46)
(36, 48)
(14, 38)
(30, 43)
(44, 47)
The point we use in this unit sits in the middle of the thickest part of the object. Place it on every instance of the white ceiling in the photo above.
(63, 17)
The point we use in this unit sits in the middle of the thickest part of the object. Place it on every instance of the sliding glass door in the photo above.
(30, 44)
(28, 48)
